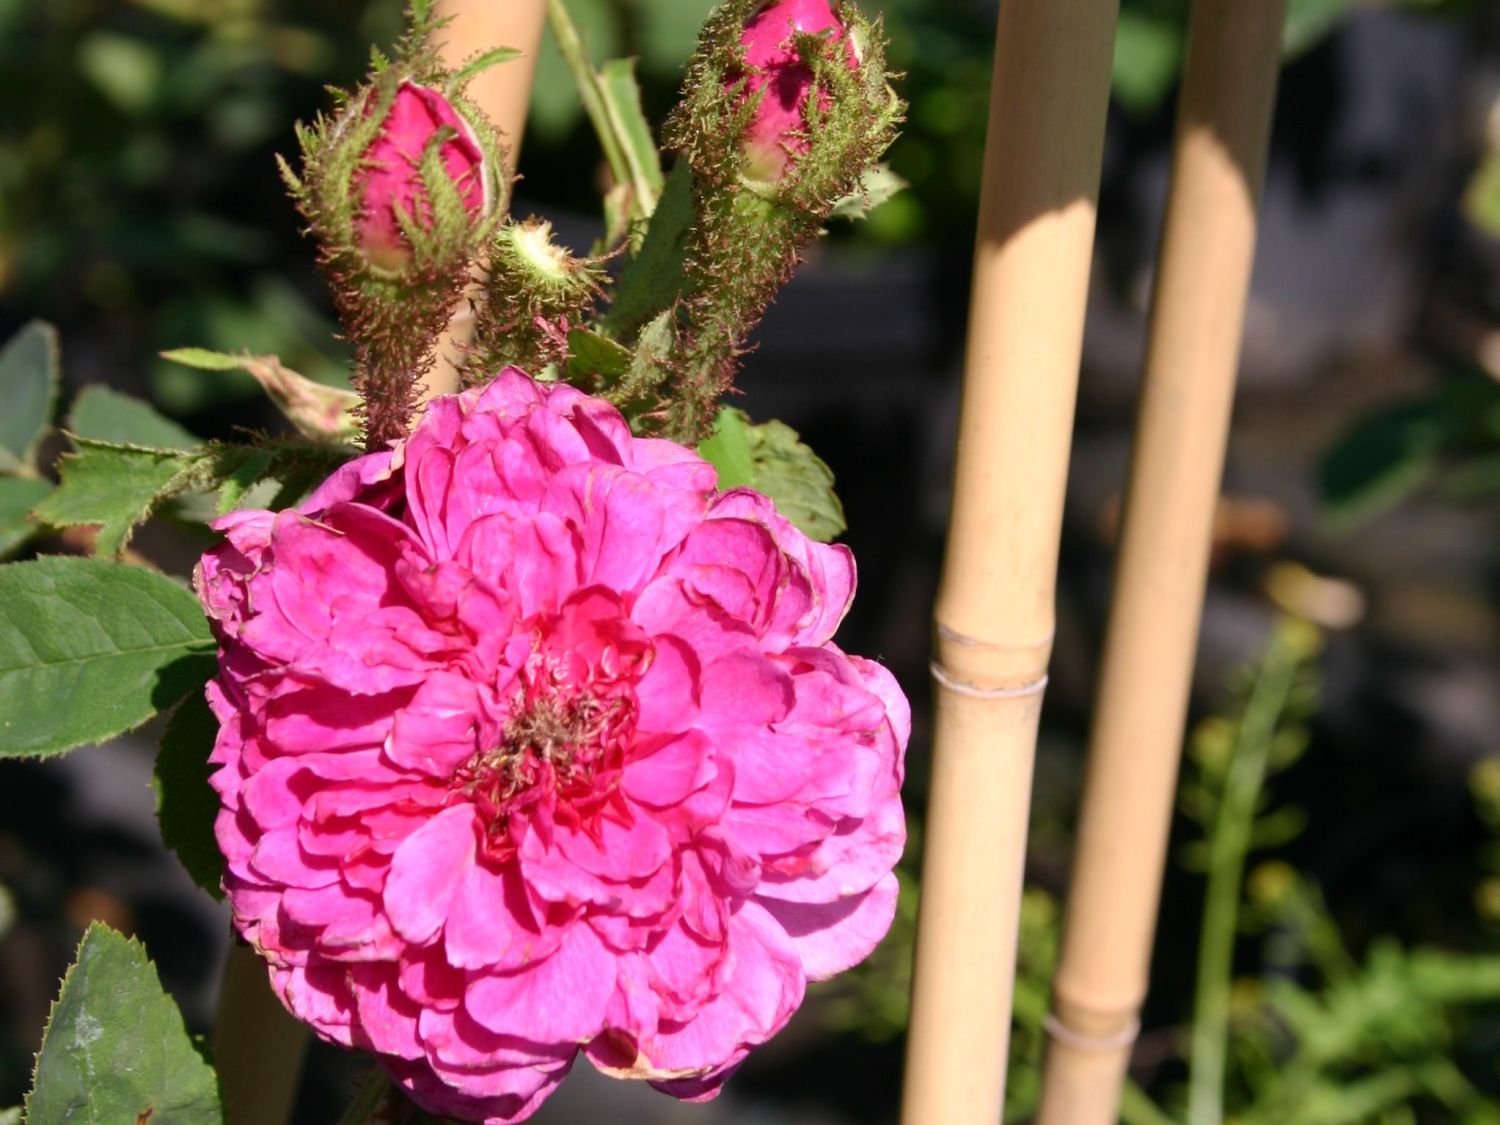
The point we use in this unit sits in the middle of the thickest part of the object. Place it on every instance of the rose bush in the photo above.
(532, 742)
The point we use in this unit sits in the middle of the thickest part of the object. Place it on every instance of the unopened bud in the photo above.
(781, 78)
(534, 292)
(389, 187)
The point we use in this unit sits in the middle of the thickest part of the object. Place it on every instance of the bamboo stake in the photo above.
(258, 1047)
(1203, 280)
(994, 613)
(503, 93)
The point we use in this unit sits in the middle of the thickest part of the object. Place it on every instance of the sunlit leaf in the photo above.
(115, 487)
(90, 649)
(772, 459)
(115, 1051)
(105, 414)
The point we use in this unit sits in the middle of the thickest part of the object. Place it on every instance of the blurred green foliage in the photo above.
(139, 204)
(1449, 435)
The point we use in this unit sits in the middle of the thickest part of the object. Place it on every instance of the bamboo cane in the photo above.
(1203, 279)
(994, 613)
(503, 93)
(258, 1048)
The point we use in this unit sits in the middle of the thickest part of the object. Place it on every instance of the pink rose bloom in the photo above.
(533, 742)
(390, 177)
(778, 131)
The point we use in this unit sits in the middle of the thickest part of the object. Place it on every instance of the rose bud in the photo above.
(390, 187)
(782, 79)
(786, 106)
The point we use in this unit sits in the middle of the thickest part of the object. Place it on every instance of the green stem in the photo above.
(570, 44)
(257, 1047)
(1227, 850)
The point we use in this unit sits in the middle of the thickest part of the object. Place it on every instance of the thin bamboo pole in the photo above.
(1203, 279)
(994, 612)
(503, 93)
(258, 1047)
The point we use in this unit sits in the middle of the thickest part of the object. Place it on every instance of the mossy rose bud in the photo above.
(390, 187)
(786, 105)
(782, 79)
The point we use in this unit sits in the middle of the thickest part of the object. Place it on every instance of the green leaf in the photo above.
(204, 359)
(238, 484)
(612, 101)
(115, 487)
(727, 449)
(115, 1051)
(480, 63)
(1382, 460)
(772, 459)
(29, 374)
(653, 279)
(876, 186)
(104, 414)
(591, 355)
(622, 105)
(18, 495)
(1148, 51)
(185, 803)
(91, 649)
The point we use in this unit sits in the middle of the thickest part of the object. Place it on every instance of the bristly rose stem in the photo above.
(258, 1047)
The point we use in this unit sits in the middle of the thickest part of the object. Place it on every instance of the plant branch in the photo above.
(628, 167)
(1228, 847)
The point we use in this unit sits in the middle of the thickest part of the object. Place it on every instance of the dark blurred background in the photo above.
(140, 209)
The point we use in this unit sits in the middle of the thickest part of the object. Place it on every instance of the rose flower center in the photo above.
(560, 752)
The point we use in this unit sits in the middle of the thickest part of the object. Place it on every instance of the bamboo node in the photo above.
(973, 691)
(953, 636)
(1062, 1034)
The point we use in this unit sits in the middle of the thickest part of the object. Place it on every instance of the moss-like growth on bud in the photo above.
(749, 230)
(397, 276)
(534, 293)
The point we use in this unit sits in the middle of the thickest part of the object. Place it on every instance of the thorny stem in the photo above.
(1227, 850)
